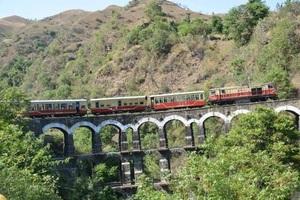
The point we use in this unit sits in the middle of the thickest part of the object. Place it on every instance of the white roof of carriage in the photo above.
(58, 101)
(178, 93)
(117, 98)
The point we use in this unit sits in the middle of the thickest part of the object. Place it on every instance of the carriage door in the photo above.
(77, 106)
(119, 103)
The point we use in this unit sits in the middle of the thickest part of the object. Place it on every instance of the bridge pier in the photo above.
(126, 172)
(189, 139)
(298, 122)
(164, 165)
(201, 136)
(136, 141)
(123, 143)
(137, 165)
(69, 145)
(226, 127)
(96, 143)
(162, 138)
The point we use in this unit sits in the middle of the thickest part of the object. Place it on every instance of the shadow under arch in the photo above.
(66, 141)
(294, 111)
(148, 133)
(93, 142)
(219, 124)
(175, 133)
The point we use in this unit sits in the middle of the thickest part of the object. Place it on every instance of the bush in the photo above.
(240, 21)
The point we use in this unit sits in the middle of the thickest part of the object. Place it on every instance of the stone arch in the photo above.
(193, 121)
(68, 137)
(212, 114)
(175, 117)
(145, 120)
(95, 137)
(180, 140)
(159, 133)
(114, 123)
(122, 139)
(86, 124)
(288, 108)
(58, 126)
(236, 113)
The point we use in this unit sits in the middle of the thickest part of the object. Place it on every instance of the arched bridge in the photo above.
(131, 163)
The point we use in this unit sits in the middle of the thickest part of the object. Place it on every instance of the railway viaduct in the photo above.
(131, 162)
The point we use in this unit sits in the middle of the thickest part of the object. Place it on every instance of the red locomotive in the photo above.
(242, 94)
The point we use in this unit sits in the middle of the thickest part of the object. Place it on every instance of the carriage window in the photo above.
(102, 105)
(125, 104)
(141, 102)
(172, 99)
(213, 92)
(70, 106)
(156, 100)
(63, 106)
(160, 100)
(136, 103)
(201, 96)
(223, 91)
(97, 104)
(165, 100)
(82, 106)
(108, 105)
(130, 103)
(197, 97)
(270, 86)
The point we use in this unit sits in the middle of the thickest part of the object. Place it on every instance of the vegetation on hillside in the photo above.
(153, 47)
(258, 159)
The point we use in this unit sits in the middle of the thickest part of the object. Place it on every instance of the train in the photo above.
(195, 99)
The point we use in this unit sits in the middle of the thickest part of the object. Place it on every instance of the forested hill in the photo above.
(150, 47)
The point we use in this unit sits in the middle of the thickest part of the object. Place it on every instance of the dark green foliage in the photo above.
(15, 71)
(154, 10)
(110, 139)
(83, 140)
(240, 21)
(12, 104)
(216, 24)
(90, 181)
(175, 134)
(149, 136)
(26, 167)
(194, 27)
(237, 68)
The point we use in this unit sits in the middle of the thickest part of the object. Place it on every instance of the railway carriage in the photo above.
(177, 100)
(118, 104)
(44, 108)
(242, 94)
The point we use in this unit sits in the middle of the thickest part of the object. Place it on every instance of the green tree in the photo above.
(154, 10)
(26, 167)
(217, 24)
(15, 71)
(240, 21)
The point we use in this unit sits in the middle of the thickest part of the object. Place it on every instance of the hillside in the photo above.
(92, 54)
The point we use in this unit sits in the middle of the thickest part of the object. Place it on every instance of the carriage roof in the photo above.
(178, 93)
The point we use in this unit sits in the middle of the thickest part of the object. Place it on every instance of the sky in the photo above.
(38, 9)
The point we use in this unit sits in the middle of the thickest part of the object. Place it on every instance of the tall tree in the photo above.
(240, 21)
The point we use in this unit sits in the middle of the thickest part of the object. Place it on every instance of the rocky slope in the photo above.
(86, 54)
